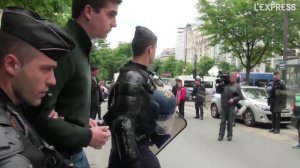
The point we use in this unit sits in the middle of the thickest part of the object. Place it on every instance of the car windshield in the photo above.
(189, 83)
(255, 93)
(207, 84)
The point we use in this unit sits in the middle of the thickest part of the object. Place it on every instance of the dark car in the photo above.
(296, 113)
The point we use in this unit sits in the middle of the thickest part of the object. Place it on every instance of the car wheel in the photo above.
(249, 119)
(214, 111)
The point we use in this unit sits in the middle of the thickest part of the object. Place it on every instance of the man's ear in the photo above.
(88, 11)
(11, 64)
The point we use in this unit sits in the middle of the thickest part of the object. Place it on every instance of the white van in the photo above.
(209, 83)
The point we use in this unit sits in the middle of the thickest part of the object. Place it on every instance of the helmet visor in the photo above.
(165, 124)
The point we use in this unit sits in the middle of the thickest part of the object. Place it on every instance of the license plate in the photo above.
(285, 114)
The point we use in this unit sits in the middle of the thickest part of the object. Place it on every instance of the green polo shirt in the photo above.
(71, 97)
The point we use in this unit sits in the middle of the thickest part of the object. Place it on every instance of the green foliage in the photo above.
(205, 64)
(224, 66)
(54, 10)
(110, 60)
(269, 68)
(188, 68)
(170, 65)
(250, 35)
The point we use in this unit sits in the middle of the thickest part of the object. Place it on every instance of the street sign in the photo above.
(282, 66)
(289, 52)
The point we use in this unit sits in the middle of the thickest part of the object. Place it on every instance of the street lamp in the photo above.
(285, 41)
(195, 67)
(181, 30)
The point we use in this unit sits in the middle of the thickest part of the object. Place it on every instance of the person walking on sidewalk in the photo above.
(29, 51)
(71, 97)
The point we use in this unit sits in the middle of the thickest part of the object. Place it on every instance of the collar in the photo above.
(136, 65)
(4, 100)
(79, 35)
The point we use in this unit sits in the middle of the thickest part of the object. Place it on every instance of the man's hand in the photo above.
(100, 135)
(230, 101)
(92, 123)
(54, 115)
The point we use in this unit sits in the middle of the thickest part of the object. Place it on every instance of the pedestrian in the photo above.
(199, 94)
(230, 95)
(180, 97)
(96, 94)
(277, 102)
(71, 97)
(175, 87)
(131, 116)
(29, 51)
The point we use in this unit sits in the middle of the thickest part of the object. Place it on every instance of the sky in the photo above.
(163, 17)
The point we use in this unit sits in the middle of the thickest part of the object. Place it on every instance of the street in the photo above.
(197, 146)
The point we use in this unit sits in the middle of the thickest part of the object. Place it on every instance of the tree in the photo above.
(110, 60)
(170, 65)
(205, 64)
(54, 10)
(247, 33)
(224, 66)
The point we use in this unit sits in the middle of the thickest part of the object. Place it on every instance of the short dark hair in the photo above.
(143, 38)
(13, 45)
(78, 5)
(276, 73)
(94, 67)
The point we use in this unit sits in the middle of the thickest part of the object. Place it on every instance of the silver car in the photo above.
(256, 109)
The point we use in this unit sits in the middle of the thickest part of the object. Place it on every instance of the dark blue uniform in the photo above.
(132, 119)
(277, 102)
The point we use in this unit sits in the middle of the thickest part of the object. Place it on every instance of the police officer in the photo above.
(230, 95)
(131, 116)
(199, 94)
(277, 102)
(29, 51)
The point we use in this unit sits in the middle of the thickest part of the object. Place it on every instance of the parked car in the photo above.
(256, 107)
(296, 113)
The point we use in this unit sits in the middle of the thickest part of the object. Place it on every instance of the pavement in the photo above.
(287, 137)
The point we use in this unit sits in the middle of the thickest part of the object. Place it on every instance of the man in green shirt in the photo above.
(71, 97)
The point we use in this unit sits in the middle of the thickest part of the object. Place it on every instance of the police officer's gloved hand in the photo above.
(159, 140)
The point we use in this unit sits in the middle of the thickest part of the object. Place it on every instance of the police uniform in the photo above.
(132, 115)
(277, 101)
(199, 93)
(132, 99)
(20, 145)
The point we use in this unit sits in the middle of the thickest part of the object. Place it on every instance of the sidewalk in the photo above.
(98, 158)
